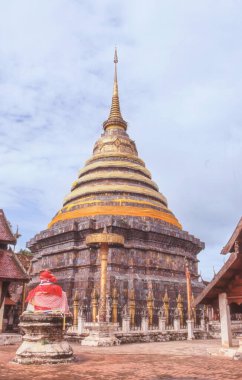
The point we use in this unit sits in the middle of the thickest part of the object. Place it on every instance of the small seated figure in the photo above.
(47, 296)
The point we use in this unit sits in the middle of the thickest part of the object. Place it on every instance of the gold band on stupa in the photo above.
(87, 201)
(115, 164)
(115, 181)
(114, 155)
(116, 210)
(115, 175)
(114, 188)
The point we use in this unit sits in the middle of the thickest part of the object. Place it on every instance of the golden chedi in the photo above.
(115, 190)
(115, 180)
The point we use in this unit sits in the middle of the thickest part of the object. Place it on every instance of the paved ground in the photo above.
(150, 361)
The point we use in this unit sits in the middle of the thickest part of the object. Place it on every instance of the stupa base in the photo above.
(44, 353)
(43, 340)
(101, 334)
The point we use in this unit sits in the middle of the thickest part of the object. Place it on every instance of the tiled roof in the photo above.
(236, 236)
(220, 283)
(6, 234)
(10, 267)
(9, 301)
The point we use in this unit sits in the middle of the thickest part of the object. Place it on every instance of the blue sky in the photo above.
(180, 90)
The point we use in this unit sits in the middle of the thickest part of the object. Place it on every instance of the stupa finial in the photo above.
(115, 55)
(115, 84)
(115, 118)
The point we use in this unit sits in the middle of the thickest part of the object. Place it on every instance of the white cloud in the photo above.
(180, 89)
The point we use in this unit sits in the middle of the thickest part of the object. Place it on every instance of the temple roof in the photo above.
(236, 236)
(6, 235)
(220, 283)
(10, 267)
(230, 271)
(114, 180)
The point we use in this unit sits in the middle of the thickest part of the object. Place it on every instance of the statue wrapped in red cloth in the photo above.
(47, 296)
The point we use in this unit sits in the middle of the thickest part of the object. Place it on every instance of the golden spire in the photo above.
(115, 118)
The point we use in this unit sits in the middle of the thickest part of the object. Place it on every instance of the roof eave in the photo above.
(237, 235)
(210, 293)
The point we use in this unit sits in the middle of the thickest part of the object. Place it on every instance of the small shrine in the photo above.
(44, 323)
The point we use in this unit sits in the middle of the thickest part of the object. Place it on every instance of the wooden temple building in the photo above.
(224, 292)
(11, 270)
(115, 191)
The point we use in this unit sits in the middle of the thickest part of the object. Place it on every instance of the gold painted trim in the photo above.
(111, 164)
(104, 237)
(118, 200)
(116, 210)
(115, 175)
(93, 189)
(115, 154)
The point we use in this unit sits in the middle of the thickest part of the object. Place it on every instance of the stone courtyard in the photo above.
(183, 360)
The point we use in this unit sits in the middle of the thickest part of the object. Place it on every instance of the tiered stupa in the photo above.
(115, 190)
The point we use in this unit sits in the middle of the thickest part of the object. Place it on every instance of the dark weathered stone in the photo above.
(153, 255)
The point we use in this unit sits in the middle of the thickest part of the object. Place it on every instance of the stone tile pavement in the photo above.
(182, 360)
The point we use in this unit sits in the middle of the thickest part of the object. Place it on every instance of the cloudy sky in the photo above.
(180, 90)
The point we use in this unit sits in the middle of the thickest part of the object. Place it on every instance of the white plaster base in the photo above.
(101, 335)
(47, 353)
(162, 324)
(190, 329)
(43, 340)
(6, 339)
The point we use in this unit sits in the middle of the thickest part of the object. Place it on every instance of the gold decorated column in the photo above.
(103, 240)
(132, 307)
(150, 306)
(179, 306)
(115, 305)
(193, 310)
(94, 305)
(103, 281)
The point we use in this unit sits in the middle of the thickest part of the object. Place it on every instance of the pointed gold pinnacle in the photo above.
(115, 118)
(115, 56)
